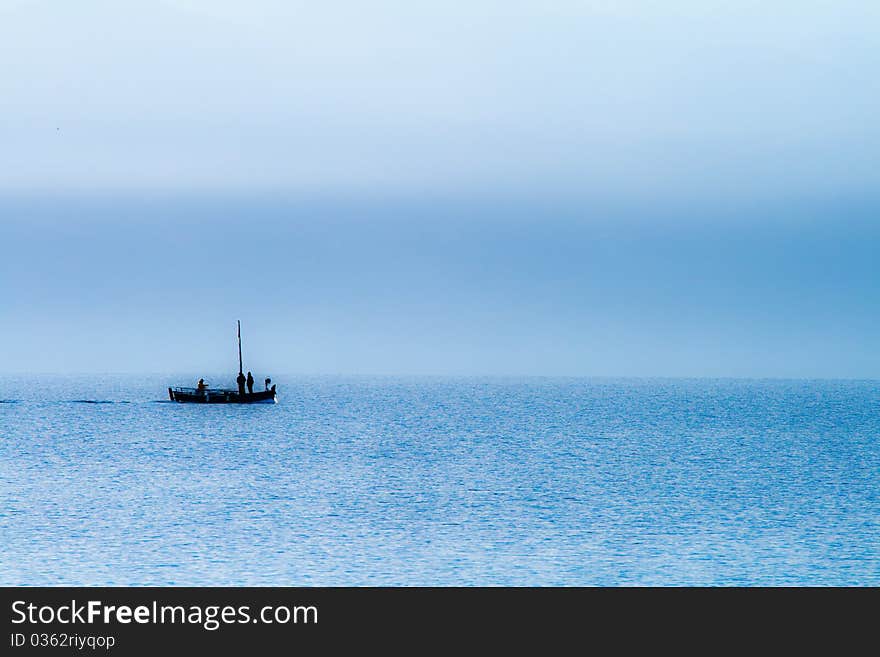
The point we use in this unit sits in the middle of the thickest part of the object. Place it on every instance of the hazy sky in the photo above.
(608, 188)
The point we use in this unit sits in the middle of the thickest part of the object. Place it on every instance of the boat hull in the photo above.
(209, 396)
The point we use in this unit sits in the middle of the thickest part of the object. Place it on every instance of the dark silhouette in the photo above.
(245, 394)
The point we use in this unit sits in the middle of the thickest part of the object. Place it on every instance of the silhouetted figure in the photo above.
(202, 385)
(268, 381)
(250, 383)
(241, 381)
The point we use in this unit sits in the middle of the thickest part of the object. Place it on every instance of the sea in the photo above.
(441, 481)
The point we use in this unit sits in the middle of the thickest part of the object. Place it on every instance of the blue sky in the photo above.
(579, 188)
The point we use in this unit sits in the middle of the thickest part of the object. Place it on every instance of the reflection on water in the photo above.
(442, 481)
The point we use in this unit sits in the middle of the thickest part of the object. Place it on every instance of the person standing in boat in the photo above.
(268, 381)
(202, 385)
(240, 380)
(250, 383)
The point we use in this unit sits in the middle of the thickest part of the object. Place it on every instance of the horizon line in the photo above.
(424, 375)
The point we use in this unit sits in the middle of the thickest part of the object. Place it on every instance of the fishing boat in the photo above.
(204, 394)
(222, 396)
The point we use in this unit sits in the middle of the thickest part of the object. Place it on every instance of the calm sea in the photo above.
(442, 481)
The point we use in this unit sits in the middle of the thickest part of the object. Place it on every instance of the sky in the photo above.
(629, 188)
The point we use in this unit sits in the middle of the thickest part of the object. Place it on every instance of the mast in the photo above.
(240, 368)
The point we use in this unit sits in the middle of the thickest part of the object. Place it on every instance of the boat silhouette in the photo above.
(204, 394)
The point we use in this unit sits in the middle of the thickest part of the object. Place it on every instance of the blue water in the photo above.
(442, 481)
